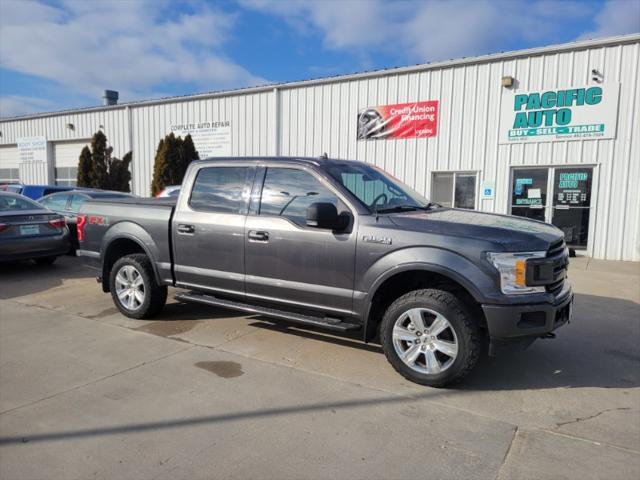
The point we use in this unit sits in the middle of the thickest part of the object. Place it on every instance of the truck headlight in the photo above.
(513, 271)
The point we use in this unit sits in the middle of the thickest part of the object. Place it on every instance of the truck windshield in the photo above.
(378, 190)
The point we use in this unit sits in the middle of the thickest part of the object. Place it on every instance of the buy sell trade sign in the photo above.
(588, 112)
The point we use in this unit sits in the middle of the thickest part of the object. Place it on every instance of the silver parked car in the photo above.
(30, 231)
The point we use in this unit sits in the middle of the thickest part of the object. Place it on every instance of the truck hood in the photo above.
(513, 233)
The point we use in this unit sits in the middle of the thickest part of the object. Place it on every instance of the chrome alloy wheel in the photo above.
(130, 287)
(425, 341)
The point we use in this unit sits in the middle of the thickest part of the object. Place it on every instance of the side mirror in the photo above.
(323, 215)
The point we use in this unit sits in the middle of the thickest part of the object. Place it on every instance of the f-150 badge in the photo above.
(376, 239)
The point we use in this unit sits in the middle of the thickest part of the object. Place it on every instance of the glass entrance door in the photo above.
(571, 204)
(529, 193)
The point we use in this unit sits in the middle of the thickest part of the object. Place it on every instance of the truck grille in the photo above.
(557, 254)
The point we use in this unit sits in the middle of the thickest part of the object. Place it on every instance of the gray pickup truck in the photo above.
(338, 245)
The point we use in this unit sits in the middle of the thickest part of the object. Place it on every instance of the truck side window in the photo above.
(220, 189)
(287, 192)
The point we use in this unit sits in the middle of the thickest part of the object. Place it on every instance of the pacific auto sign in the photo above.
(560, 114)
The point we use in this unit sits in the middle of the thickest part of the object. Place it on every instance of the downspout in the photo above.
(130, 145)
(276, 121)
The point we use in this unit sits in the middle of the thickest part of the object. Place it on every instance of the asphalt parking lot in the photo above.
(206, 393)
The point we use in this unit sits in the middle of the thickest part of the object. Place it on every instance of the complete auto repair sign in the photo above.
(404, 120)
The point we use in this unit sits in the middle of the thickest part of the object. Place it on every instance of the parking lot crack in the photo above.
(591, 417)
(506, 455)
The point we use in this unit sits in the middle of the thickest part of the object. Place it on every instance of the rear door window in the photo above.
(222, 189)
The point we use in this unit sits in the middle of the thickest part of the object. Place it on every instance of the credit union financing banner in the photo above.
(405, 120)
(551, 115)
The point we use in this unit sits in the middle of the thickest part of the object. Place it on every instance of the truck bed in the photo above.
(148, 220)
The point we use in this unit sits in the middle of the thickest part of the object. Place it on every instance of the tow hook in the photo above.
(548, 335)
(99, 279)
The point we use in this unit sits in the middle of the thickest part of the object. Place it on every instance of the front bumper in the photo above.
(522, 324)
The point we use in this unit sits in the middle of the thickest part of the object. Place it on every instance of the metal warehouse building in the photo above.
(549, 133)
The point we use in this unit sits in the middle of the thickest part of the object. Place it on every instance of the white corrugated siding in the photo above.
(85, 124)
(321, 117)
(34, 173)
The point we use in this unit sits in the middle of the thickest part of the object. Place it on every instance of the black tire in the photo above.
(466, 331)
(155, 296)
(45, 260)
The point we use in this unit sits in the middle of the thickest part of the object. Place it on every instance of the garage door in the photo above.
(65, 157)
(9, 170)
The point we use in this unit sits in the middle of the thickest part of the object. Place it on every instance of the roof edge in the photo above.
(558, 48)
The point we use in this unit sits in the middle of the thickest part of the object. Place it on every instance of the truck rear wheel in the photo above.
(429, 337)
(134, 289)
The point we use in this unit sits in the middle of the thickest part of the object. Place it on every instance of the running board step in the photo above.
(326, 322)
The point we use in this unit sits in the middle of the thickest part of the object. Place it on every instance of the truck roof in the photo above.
(318, 161)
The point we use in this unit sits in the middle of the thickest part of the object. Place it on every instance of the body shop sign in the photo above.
(211, 139)
(404, 120)
(32, 149)
(560, 114)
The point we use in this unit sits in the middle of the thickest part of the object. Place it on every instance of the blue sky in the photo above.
(59, 54)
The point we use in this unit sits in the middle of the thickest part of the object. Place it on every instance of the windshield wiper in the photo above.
(407, 208)
(400, 208)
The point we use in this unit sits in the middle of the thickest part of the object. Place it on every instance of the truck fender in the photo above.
(477, 282)
(135, 233)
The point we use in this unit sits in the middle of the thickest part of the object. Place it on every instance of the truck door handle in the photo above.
(187, 229)
(256, 236)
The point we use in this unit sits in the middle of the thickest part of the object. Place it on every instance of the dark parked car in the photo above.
(35, 192)
(338, 245)
(30, 231)
(68, 204)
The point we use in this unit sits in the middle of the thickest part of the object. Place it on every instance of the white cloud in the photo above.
(124, 45)
(432, 30)
(616, 18)
(11, 105)
(144, 47)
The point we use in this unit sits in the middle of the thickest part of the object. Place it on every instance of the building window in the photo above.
(67, 176)
(9, 175)
(454, 189)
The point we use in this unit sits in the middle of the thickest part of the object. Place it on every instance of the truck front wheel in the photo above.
(429, 337)
(134, 289)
